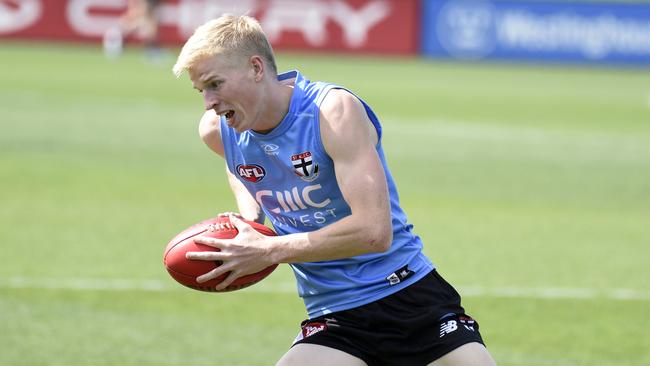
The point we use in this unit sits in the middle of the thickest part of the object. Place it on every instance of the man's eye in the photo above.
(214, 85)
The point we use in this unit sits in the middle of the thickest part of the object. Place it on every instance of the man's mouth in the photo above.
(229, 114)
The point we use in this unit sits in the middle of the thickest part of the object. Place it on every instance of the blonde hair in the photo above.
(228, 35)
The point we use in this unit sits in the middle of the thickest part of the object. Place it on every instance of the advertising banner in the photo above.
(565, 31)
(368, 26)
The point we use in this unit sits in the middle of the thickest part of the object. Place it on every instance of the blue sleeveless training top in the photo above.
(292, 178)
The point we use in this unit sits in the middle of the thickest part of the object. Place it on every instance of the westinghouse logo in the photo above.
(467, 29)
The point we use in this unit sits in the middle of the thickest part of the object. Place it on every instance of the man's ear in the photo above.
(257, 67)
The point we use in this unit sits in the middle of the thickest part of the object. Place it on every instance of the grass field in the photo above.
(529, 185)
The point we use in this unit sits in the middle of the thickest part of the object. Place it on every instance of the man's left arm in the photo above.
(350, 139)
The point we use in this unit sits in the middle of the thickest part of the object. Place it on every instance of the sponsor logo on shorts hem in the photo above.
(310, 329)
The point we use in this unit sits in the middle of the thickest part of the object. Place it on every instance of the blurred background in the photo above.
(518, 133)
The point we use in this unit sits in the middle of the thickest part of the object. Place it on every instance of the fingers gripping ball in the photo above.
(185, 271)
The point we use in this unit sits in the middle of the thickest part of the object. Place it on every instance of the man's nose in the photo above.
(210, 100)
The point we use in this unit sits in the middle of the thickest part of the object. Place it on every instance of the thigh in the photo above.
(470, 354)
(316, 355)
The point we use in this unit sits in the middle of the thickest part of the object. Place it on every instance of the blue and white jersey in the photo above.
(292, 178)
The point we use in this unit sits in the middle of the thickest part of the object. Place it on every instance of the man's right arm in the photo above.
(210, 131)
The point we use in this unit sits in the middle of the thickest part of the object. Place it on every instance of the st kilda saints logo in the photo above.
(252, 172)
(304, 166)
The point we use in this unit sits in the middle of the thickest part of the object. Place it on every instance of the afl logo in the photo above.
(252, 173)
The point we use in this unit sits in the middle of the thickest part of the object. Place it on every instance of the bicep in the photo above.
(350, 139)
(362, 181)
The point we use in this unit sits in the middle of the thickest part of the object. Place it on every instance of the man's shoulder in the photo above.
(210, 131)
(210, 121)
(339, 103)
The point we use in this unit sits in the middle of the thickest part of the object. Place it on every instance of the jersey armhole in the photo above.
(371, 116)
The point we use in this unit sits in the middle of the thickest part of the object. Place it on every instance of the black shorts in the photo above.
(412, 327)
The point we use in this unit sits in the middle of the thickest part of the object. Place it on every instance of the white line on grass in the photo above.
(101, 284)
(113, 284)
(555, 293)
(521, 134)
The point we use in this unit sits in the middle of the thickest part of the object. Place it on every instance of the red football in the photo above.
(186, 271)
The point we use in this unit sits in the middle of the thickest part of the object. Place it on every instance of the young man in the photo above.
(141, 17)
(308, 156)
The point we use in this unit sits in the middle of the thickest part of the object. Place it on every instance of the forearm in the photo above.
(346, 238)
(246, 204)
(250, 210)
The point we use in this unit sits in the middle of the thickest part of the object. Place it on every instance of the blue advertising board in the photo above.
(564, 31)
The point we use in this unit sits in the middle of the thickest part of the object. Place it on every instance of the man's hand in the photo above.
(244, 254)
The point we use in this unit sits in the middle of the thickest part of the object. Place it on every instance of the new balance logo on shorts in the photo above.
(448, 327)
(451, 326)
